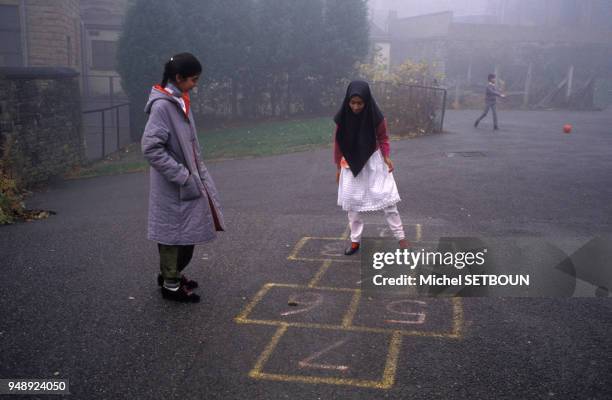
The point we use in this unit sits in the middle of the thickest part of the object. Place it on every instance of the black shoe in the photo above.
(188, 283)
(182, 294)
(349, 251)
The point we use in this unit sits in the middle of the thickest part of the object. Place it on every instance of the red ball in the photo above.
(567, 128)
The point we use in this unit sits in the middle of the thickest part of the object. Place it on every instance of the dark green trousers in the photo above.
(173, 259)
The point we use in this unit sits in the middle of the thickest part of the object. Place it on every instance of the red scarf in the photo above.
(184, 96)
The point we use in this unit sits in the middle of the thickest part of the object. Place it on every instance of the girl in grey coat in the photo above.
(184, 208)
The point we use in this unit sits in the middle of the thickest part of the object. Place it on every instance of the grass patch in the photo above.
(254, 140)
(266, 139)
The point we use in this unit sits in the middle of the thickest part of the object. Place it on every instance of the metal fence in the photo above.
(412, 109)
(106, 121)
(106, 130)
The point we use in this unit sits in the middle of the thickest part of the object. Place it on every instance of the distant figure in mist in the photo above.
(184, 208)
(491, 102)
(364, 168)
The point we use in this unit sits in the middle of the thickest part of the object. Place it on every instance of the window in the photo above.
(103, 55)
(10, 37)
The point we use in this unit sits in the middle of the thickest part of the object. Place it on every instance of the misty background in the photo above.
(282, 60)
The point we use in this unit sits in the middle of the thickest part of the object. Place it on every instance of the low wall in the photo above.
(40, 122)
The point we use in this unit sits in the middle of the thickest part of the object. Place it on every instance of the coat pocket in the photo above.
(190, 190)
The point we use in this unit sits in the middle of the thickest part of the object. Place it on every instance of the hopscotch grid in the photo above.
(391, 362)
(351, 328)
(386, 382)
(346, 325)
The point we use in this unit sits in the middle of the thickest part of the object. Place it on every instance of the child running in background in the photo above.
(491, 96)
(364, 169)
(184, 209)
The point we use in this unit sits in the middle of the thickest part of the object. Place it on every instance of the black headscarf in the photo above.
(356, 135)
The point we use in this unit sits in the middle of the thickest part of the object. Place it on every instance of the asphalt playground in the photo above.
(79, 299)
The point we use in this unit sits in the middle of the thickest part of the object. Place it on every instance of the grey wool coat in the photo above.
(184, 207)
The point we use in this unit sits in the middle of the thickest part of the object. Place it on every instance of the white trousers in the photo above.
(393, 219)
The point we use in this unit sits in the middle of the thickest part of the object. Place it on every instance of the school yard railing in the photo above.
(106, 129)
(412, 109)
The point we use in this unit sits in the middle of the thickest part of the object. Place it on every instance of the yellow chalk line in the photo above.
(346, 233)
(247, 310)
(298, 246)
(350, 314)
(338, 260)
(392, 360)
(352, 328)
(318, 380)
(458, 319)
(293, 256)
(320, 273)
(265, 355)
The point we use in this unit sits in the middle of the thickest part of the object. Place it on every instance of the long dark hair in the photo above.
(183, 64)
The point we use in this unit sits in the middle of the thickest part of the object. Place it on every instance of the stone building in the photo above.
(40, 33)
(380, 46)
(77, 34)
(548, 52)
(50, 50)
(102, 24)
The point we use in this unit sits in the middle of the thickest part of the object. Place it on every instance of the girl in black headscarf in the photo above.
(364, 169)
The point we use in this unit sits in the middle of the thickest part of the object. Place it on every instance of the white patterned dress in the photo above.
(372, 189)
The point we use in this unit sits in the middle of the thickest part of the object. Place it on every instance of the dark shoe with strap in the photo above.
(188, 283)
(182, 295)
(349, 251)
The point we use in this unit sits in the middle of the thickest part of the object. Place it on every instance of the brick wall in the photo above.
(53, 33)
(40, 122)
(113, 7)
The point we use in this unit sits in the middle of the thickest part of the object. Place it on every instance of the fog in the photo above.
(322, 143)
(596, 14)
(411, 8)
